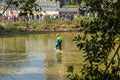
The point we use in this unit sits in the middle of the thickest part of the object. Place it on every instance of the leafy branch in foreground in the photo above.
(99, 39)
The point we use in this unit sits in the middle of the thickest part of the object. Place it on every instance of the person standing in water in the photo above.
(58, 42)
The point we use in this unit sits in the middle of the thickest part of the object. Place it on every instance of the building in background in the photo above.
(59, 7)
(51, 7)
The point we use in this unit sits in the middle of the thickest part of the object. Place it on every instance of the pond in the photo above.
(33, 57)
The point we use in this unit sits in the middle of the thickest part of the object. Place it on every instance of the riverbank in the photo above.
(25, 32)
(52, 25)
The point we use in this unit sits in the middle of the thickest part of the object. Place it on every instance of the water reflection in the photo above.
(32, 57)
(59, 58)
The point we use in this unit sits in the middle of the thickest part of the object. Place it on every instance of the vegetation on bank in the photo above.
(39, 26)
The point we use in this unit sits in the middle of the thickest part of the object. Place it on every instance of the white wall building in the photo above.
(51, 7)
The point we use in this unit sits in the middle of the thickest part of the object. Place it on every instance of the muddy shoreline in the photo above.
(26, 32)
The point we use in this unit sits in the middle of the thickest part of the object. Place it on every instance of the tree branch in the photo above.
(116, 52)
(7, 7)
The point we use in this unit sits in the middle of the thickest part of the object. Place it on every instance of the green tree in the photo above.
(99, 39)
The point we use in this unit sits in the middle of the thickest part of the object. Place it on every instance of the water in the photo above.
(32, 57)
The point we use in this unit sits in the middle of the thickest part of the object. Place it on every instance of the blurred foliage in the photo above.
(72, 75)
(99, 39)
(82, 19)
